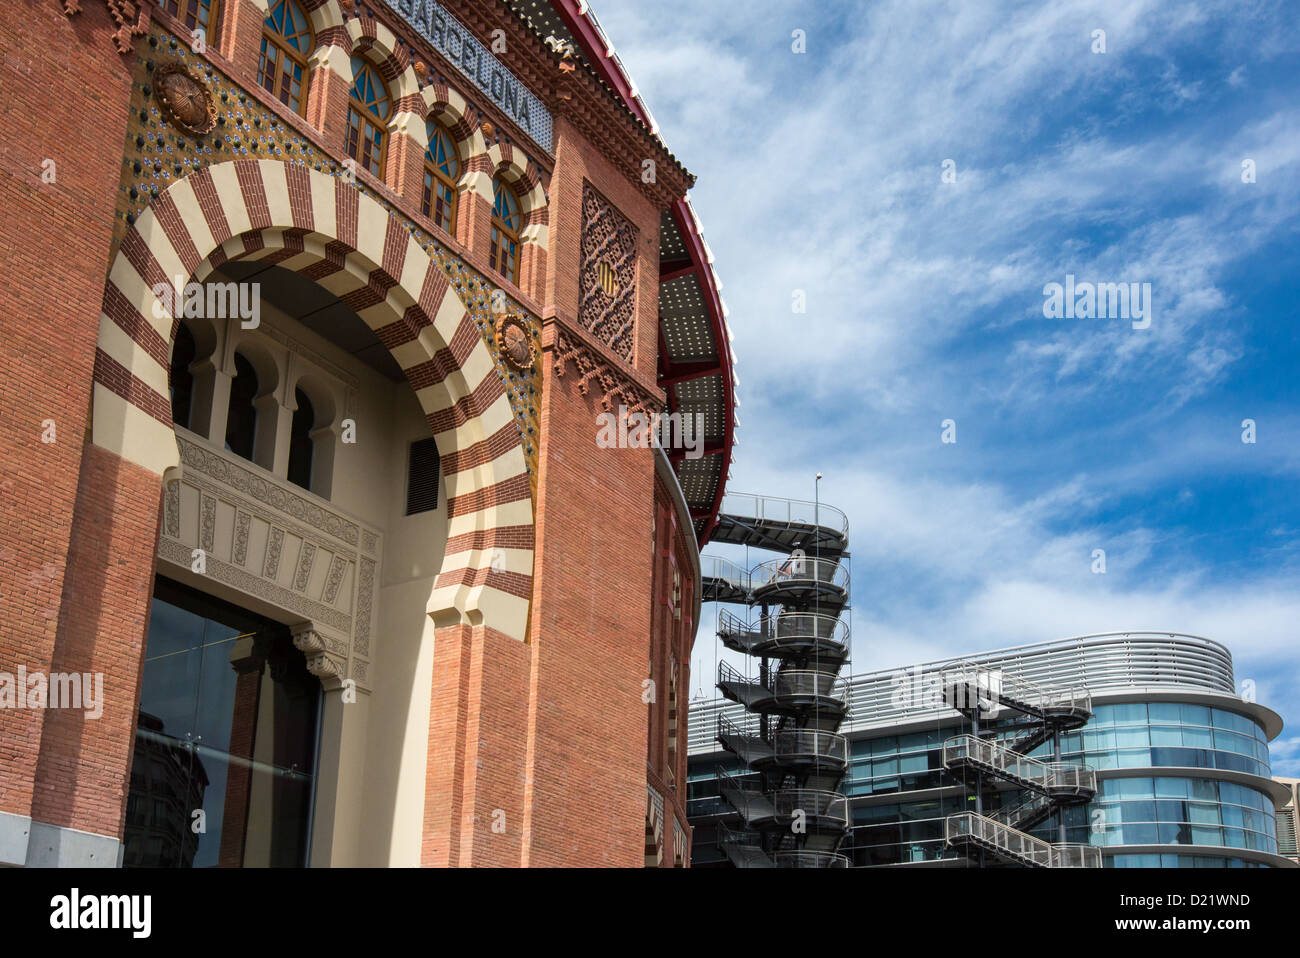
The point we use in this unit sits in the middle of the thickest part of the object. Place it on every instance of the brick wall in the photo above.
(66, 89)
(592, 615)
(545, 740)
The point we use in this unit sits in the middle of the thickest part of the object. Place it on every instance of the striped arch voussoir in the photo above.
(524, 178)
(309, 7)
(446, 106)
(373, 41)
(324, 229)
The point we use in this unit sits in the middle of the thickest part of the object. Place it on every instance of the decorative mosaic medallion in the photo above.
(184, 99)
(512, 341)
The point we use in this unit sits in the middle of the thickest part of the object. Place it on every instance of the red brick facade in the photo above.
(54, 565)
(534, 754)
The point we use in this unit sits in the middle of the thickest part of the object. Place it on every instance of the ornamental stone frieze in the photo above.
(263, 539)
(616, 382)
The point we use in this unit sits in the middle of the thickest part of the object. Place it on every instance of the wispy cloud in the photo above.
(821, 172)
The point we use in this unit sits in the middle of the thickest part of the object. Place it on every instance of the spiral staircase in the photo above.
(790, 810)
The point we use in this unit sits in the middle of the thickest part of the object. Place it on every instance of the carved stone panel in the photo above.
(264, 539)
(607, 274)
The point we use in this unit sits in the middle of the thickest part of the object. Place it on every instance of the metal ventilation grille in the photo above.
(422, 477)
(1286, 837)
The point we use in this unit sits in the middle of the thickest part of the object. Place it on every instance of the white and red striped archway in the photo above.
(325, 229)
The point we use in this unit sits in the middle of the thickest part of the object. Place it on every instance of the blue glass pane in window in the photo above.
(1131, 738)
(1165, 712)
(1167, 736)
(1129, 713)
(1173, 787)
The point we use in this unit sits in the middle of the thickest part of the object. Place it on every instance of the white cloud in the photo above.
(821, 172)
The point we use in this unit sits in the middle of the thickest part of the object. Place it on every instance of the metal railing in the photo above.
(1016, 844)
(730, 674)
(1013, 815)
(1041, 776)
(810, 744)
(789, 512)
(812, 803)
(745, 797)
(800, 570)
(806, 858)
(799, 683)
(716, 567)
(744, 837)
(1076, 856)
(989, 683)
(788, 633)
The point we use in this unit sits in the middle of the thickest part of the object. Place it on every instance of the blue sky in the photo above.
(821, 172)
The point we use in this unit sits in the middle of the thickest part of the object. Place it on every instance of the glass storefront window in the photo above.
(225, 738)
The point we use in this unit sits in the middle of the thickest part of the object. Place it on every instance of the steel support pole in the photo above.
(1060, 811)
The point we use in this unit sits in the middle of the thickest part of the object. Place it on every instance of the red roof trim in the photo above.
(586, 34)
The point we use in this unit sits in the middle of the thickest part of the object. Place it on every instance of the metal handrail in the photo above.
(1035, 851)
(802, 512)
(787, 629)
(728, 621)
(733, 780)
(792, 743)
(806, 858)
(716, 567)
(1024, 846)
(812, 802)
(828, 627)
(729, 673)
(1009, 814)
(727, 727)
(800, 568)
(1020, 767)
(737, 836)
(996, 681)
(1076, 856)
(806, 682)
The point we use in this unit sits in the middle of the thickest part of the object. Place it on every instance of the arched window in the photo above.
(507, 221)
(180, 377)
(441, 167)
(300, 441)
(368, 111)
(286, 44)
(195, 14)
(241, 415)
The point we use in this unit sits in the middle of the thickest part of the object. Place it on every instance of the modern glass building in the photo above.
(1181, 760)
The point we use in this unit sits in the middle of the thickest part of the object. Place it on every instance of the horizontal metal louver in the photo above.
(422, 477)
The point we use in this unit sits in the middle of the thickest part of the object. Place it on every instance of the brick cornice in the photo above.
(568, 343)
(131, 17)
(579, 96)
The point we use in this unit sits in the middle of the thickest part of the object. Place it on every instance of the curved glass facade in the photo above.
(1180, 861)
(1156, 810)
(1164, 734)
(1171, 810)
